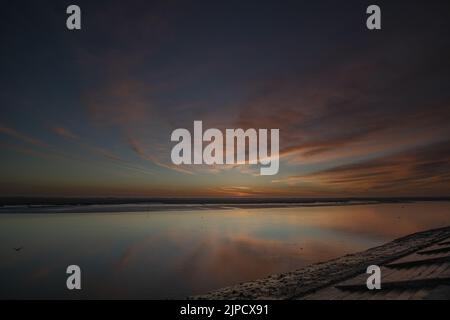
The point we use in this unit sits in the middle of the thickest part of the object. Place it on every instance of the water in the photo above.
(173, 254)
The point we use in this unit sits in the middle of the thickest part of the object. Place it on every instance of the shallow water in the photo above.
(173, 254)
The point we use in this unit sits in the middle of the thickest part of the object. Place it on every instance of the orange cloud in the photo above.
(21, 136)
(66, 133)
(414, 172)
(138, 149)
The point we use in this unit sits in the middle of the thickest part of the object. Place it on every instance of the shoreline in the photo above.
(158, 206)
(299, 283)
(142, 208)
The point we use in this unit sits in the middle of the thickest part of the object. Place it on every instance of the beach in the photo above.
(306, 282)
(175, 250)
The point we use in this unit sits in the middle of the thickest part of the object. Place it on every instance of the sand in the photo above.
(292, 285)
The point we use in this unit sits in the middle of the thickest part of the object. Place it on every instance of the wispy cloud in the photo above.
(139, 150)
(27, 151)
(68, 134)
(420, 171)
(22, 136)
(64, 132)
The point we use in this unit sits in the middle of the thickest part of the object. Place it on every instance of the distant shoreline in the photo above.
(153, 205)
(22, 200)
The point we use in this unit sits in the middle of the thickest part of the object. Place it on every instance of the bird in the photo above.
(18, 248)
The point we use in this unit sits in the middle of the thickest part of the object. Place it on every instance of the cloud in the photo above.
(238, 191)
(415, 172)
(66, 133)
(354, 108)
(21, 136)
(139, 150)
(26, 151)
(123, 103)
(47, 151)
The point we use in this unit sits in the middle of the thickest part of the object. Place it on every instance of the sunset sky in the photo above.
(90, 112)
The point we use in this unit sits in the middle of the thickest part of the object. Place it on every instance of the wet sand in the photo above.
(296, 284)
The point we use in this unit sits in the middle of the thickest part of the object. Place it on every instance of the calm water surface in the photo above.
(178, 253)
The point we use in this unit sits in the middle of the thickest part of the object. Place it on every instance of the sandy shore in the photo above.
(292, 285)
(152, 207)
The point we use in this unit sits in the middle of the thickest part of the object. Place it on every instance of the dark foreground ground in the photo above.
(413, 267)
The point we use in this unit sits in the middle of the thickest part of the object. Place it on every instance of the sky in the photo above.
(90, 112)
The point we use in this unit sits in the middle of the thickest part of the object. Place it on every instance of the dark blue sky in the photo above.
(90, 112)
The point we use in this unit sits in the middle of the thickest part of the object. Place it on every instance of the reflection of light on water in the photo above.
(174, 254)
